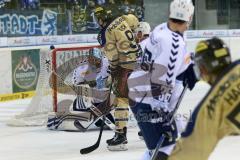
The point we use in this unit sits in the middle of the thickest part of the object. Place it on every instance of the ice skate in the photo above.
(118, 142)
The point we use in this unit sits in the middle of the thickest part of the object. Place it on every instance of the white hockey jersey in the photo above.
(164, 58)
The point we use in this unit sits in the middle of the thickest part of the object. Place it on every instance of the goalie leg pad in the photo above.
(52, 121)
(59, 122)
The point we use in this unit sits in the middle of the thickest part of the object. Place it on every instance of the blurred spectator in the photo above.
(82, 12)
(100, 2)
(2, 3)
(92, 25)
(82, 3)
(133, 7)
(30, 4)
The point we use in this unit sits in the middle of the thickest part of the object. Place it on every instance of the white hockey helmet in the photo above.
(144, 27)
(181, 10)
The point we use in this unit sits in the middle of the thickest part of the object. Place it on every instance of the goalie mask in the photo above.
(95, 56)
(88, 69)
(213, 55)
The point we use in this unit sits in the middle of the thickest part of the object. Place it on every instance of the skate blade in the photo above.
(120, 147)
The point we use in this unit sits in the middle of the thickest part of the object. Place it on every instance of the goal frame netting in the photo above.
(36, 113)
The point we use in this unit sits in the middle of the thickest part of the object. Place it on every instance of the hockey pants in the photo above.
(151, 130)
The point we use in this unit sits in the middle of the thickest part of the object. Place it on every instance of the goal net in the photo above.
(55, 90)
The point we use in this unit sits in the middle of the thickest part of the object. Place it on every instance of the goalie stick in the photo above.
(72, 89)
(80, 90)
(161, 140)
(108, 123)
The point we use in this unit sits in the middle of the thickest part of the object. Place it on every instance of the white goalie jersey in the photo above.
(164, 58)
(85, 72)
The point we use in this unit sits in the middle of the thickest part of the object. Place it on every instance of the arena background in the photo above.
(29, 27)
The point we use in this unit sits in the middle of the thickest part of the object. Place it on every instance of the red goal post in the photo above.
(54, 68)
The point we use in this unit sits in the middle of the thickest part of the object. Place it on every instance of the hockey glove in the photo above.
(168, 128)
(188, 77)
(170, 131)
(159, 106)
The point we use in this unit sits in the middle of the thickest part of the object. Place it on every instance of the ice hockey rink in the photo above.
(38, 143)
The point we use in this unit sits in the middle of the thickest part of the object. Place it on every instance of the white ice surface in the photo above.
(38, 143)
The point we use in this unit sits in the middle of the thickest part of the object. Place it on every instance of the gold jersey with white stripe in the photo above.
(121, 48)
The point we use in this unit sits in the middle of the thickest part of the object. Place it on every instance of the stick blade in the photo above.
(96, 145)
(89, 149)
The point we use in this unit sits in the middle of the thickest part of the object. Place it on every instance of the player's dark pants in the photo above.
(151, 131)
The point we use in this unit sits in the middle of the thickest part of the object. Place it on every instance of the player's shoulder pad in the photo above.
(156, 34)
(161, 33)
(132, 21)
(117, 23)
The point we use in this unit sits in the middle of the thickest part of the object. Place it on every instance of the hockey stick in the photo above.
(96, 145)
(108, 123)
(76, 88)
(162, 138)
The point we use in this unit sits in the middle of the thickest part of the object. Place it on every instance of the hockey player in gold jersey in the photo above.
(218, 114)
(116, 36)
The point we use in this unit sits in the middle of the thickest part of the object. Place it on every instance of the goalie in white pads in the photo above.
(90, 75)
(156, 87)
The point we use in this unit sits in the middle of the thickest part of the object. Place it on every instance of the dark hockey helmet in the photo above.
(213, 54)
(103, 13)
